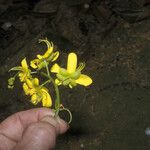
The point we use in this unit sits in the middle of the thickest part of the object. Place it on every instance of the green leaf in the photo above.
(16, 69)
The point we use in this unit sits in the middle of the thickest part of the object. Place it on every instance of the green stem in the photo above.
(57, 101)
(33, 72)
(48, 81)
(48, 73)
(16, 74)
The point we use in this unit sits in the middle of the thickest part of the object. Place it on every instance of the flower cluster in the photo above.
(71, 76)
(31, 85)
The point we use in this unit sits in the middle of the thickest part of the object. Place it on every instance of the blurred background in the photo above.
(113, 38)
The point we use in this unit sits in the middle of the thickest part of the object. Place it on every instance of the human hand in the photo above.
(34, 129)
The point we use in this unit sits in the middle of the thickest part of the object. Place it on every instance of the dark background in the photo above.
(112, 37)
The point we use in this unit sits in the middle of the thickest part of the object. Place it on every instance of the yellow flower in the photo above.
(24, 71)
(48, 56)
(38, 93)
(72, 75)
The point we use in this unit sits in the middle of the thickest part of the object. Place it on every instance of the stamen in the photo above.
(81, 66)
(49, 44)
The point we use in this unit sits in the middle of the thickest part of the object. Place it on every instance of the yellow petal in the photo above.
(22, 76)
(72, 62)
(29, 83)
(34, 63)
(36, 81)
(39, 56)
(25, 88)
(56, 55)
(84, 80)
(49, 51)
(57, 82)
(34, 99)
(50, 47)
(24, 64)
(46, 99)
(55, 68)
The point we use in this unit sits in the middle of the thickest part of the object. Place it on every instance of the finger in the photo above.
(60, 125)
(14, 125)
(41, 135)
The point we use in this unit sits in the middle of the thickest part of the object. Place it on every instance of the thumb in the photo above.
(42, 135)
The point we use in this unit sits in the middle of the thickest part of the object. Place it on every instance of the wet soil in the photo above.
(114, 41)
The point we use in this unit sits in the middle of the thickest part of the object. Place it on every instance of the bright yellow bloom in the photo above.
(24, 71)
(38, 93)
(72, 75)
(48, 56)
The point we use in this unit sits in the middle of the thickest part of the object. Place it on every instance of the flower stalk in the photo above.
(57, 101)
